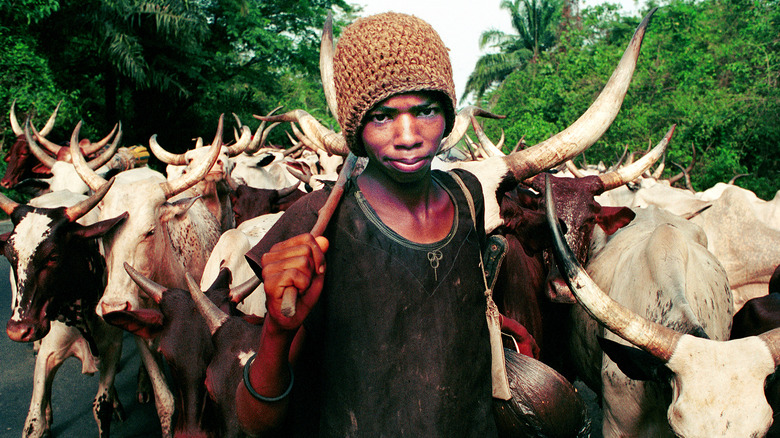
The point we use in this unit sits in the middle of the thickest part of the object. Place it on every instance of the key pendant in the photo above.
(434, 257)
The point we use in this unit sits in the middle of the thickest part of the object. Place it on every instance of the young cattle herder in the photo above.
(389, 336)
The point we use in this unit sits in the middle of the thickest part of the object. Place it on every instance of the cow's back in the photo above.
(634, 268)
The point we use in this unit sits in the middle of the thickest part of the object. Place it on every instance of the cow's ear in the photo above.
(611, 219)
(176, 208)
(100, 228)
(146, 323)
(4, 239)
(33, 185)
(268, 159)
(41, 168)
(635, 363)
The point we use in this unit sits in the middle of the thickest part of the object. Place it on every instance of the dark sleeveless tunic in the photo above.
(398, 343)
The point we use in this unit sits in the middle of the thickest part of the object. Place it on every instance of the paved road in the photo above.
(72, 392)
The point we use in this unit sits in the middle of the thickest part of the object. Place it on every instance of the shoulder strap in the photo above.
(498, 368)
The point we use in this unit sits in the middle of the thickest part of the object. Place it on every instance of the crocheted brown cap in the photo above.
(386, 54)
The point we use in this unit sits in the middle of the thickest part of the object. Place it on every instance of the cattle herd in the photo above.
(662, 300)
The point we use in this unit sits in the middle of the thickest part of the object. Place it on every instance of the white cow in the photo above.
(166, 234)
(64, 176)
(653, 282)
(743, 231)
(265, 169)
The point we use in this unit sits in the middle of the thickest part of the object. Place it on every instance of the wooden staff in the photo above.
(290, 293)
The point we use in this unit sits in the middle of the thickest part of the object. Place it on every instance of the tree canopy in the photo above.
(710, 67)
(166, 67)
(534, 21)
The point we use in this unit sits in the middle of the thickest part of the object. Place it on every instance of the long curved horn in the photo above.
(292, 150)
(287, 191)
(477, 152)
(654, 338)
(688, 169)
(94, 147)
(14, 122)
(734, 179)
(491, 149)
(50, 123)
(182, 183)
(620, 160)
(238, 120)
(461, 125)
(626, 174)
(323, 138)
(239, 293)
(258, 140)
(46, 129)
(50, 146)
(7, 204)
(327, 51)
(571, 167)
(586, 130)
(520, 145)
(153, 290)
(105, 157)
(87, 174)
(687, 178)
(36, 150)
(660, 169)
(302, 140)
(81, 208)
(304, 177)
(242, 144)
(211, 313)
(165, 156)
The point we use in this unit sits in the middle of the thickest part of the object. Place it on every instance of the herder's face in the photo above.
(402, 134)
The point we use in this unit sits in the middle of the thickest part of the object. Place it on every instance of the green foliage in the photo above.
(535, 22)
(27, 11)
(710, 67)
(31, 83)
(165, 67)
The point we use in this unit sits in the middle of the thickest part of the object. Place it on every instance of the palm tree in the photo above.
(534, 21)
(145, 41)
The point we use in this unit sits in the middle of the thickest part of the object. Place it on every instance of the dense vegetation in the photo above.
(171, 67)
(166, 67)
(711, 67)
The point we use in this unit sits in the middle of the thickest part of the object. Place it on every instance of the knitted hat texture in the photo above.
(383, 55)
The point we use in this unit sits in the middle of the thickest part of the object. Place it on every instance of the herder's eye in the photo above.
(431, 110)
(378, 117)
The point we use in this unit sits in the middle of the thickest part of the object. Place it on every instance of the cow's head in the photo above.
(717, 386)
(180, 164)
(578, 208)
(55, 262)
(21, 163)
(582, 214)
(144, 240)
(185, 342)
(235, 340)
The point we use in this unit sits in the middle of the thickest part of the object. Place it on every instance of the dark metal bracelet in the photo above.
(261, 397)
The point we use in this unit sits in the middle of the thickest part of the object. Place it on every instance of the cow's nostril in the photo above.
(19, 332)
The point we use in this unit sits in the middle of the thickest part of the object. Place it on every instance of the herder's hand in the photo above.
(297, 263)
